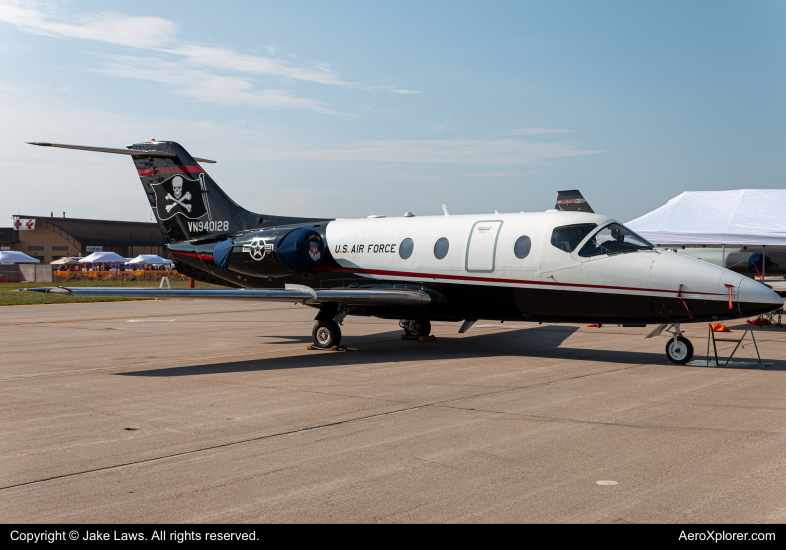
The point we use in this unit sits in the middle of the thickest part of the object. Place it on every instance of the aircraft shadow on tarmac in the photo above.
(286, 339)
(386, 347)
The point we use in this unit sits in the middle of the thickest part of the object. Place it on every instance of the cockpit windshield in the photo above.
(614, 239)
(568, 237)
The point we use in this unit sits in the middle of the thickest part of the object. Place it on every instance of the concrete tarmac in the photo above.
(207, 411)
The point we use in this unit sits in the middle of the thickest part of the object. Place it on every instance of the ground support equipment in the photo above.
(711, 336)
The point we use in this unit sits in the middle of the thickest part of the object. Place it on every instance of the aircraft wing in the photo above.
(292, 293)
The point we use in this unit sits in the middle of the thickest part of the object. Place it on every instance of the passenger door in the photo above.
(482, 246)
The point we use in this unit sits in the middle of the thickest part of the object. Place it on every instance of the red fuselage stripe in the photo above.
(171, 170)
(200, 256)
(491, 280)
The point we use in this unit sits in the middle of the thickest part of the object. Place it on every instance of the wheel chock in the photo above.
(333, 348)
(428, 338)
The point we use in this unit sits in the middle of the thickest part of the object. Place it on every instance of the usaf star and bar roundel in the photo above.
(181, 195)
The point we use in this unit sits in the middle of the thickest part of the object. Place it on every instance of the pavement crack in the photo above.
(299, 430)
(609, 423)
(211, 447)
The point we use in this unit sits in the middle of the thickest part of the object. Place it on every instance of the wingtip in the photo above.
(41, 143)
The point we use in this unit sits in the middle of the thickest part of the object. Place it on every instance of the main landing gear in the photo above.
(327, 332)
(415, 328)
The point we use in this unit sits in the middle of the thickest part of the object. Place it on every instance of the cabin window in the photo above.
(568, 237)
(441, 248)
(614, 239)
(522, 247)
(405, 248)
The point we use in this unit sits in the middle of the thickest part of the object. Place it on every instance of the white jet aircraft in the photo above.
(555, 266)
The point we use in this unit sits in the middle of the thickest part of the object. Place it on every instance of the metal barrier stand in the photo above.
(771, 317)
(715, 347)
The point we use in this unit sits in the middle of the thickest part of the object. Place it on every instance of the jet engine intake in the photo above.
(277, 252)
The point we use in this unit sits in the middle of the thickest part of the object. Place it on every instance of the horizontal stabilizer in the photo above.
(295, 293)
(133, 152)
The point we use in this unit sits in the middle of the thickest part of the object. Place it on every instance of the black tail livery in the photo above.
(175, 183)
(572, 201)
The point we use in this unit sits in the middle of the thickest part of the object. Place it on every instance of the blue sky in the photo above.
(347, 109)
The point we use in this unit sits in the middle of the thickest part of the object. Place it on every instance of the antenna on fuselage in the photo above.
(445, 209)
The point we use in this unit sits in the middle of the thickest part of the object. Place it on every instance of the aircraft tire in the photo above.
(417, 328)
(326, 334)
(680, 352)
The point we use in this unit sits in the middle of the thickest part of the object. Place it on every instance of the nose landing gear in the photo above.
(679, 350)
(415, 328)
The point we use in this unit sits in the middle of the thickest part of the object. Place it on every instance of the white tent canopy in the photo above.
(16, 257)
(66, 260)
(102, 257)
(149, 259)
(747, 217)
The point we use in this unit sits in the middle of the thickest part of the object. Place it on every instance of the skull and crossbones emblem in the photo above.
(179, 198)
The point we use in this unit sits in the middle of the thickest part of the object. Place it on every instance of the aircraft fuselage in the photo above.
(470, 264)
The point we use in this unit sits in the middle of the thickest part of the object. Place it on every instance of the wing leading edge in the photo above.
(292, 293)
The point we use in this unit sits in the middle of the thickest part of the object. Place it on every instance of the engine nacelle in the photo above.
(276, 252)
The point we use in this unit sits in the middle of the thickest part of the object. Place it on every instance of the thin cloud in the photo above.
(105, 27)
(510, 152)
(534, 132)
(205, 86)
(160, 35)
(230, 60)
(508, 174)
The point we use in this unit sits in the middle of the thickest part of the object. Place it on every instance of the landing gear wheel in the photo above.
(326, 334)
(416, 328)
(679, 352)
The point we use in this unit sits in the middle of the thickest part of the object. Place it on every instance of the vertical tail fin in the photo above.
(186, 201)
(572, 201)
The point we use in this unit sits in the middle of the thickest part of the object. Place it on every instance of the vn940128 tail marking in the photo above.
(218, 226)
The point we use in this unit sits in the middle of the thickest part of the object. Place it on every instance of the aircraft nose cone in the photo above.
(754, 297)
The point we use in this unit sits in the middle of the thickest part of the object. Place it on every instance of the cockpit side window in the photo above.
(614, 239)
(568, 237)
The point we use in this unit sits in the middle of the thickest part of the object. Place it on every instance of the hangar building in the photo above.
(54, 238)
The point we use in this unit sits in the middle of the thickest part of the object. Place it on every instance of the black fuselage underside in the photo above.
(458, 301)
